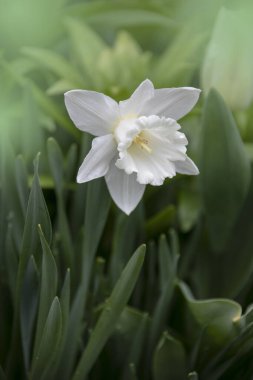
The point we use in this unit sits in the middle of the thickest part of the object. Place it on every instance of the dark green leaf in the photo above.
(97, 207)
(136, 348)
(49, 344)
(48, 289)
(2, 374)
(165, 264)
(22, 183)
(110, 314)
(169, 359)
(125, 237)
(56, 162)
(161, 221)
(65, 300)
(225, 169)
(11, 261)
(193, 376)
(36, 214)
(28, 308)
(217, 317)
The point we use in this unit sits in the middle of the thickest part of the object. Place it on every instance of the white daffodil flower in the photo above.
(138, 140)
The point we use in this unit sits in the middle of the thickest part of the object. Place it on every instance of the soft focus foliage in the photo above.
(80, 295)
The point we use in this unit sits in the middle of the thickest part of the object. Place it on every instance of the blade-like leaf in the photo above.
(110, 314)
(136, 349)
(22, 182)
(28, 308)
(193, 376)
(47, 290)
(2, 374)
(56, 162)
(165, 264)
(49, 344)
(125, 238)
(94, 225)
(225, 169)
(169, 359)
(36, 214)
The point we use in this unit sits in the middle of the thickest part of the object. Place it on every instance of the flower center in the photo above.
(143, 143)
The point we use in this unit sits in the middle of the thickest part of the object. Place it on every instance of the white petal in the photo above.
(124, 189)
(186, 167)
(133, 106)
(96, 163)
(92, 111)
(172, 102)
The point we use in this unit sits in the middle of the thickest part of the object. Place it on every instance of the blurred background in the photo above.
(52, 46)
(48, 47)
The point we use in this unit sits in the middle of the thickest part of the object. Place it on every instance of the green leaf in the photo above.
(136, 348)
(70, 164)
(168, 259)
(87, 46)
(165, 263)
(49, 344)
(65, 306)
(71, 342)
(65, 300)
(60, 87)
(110, 314)
(28, 308)
(132, 374)
(169, 359)
(187, 52)
(120, 15)
(188, 209)
(125, 236)
(94, 225)
(56, 162)
(193, 376)
(93, 192)
(30, 121)
(22, 182)
(11, 260)
(225, 170)
(47, 290)
(36, 214)
(2, 374)
(95, 219)
(233, 358)
(54, 62)
(214, 318)
(53, 110)
(161, 221)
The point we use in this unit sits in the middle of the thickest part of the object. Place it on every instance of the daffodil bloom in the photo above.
(138, 140)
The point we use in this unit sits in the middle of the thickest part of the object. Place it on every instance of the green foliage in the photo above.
(225, 169)
(77, 298)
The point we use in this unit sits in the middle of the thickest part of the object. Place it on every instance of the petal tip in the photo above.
(148, 81)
